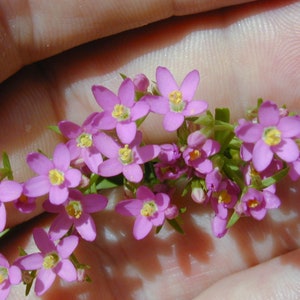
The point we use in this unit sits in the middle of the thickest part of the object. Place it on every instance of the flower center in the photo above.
(56, 177)
(125, 155)
(84, 140)
(50, 260)
(224, 197)
(121, 112)
(176, 102)
(74, 209)
(149, 208)
(272, 136)
(194, 154)
(252, 203)
(3, 274)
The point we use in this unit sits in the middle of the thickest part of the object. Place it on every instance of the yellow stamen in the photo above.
(272, 136)
(50, 260)
(120, 112)
(84, 140)
(176, 101)
(149, 208)
(56, 177)
(194, 154)
(74, 209)
(252, 203)
(125, 154)
(224, 197)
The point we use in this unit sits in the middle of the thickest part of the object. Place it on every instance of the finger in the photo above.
(33, 30)
(274, 279)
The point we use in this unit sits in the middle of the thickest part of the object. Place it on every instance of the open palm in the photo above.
(242, 52)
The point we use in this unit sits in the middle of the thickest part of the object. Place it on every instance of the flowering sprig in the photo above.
(232, 167)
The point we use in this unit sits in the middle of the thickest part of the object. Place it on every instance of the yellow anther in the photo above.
(74, 209)
(194, 154)
(56, 177)
(149, 208)
(176, 101)
(272, 136)
(125, 154)
(50, 260)
(120, 112)
(252, 203)
(84, 140)
(224, 197)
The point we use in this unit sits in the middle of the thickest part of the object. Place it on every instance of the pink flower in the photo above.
(121, 111)
(176, 102)
(126, 158)
(198, 151)
(51, 261)
(54, 176)
(9, 275)
(76, 212)
(9, 191)
(141, 83)
(256, 203)
(272, 134)
(148, 208)
(81, 140)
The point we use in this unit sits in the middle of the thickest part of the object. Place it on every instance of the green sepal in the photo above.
(175, 225)
(6, 171)
(4, 232)
(123, 76)
(22, 252)
(233, 219)
(54, 128)
(32, 274)
(273, 179)
(222, 114)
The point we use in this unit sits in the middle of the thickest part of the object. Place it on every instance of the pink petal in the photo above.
(74, 150)
(86, 227)
(92, 159)
(272, 201)
(268, 114)
(211, 147)
(142, 226)
(39, 163)
(262, 156)
(67, 246)
(144, 193)
(32, 261)
(130, 207)
(58, 194)
(173, 121)
(66, 270)
(158, 104)
(287, 150)
(105, 98)
(93, 203)
(107, 121)
(219, 226)
(204, 166)
(61, 157)
(165, 81)
(44, 280)
(127, 93)
(69, 129)
(59, 227)
(258, 214)
(133, 172)
(249, 132)
(289, 126)
(162, 201)
(158, 219)
(195, 107)
(42, 240)
(15, 275)
(2, 216)
(72, 177)
(246, 151)
(37, 186)
(110, 167)
(126, 131)
(10, 190)
(107, 145)
(139, 110)
(147, 153)
(189, 85)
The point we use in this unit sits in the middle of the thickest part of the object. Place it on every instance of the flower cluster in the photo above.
(233, 168)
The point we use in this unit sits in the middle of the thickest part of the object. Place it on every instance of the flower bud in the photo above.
(198, 195)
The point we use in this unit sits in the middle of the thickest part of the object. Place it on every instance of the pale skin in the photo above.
(242, 53)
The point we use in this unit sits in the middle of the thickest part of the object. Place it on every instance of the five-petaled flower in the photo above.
(9, 275)
(121, 112)
(272, 134)
(51, 261)
(175, 102)
(126, 158)
(148, 208)
(76, 212)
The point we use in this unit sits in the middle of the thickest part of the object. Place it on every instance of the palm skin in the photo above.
(242, 52)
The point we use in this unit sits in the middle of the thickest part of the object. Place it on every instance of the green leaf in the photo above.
(233, 219)
(6, 171)
(4, 232)
(275, 178)
(222, 114)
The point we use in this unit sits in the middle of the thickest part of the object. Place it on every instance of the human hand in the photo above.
(248, 51)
